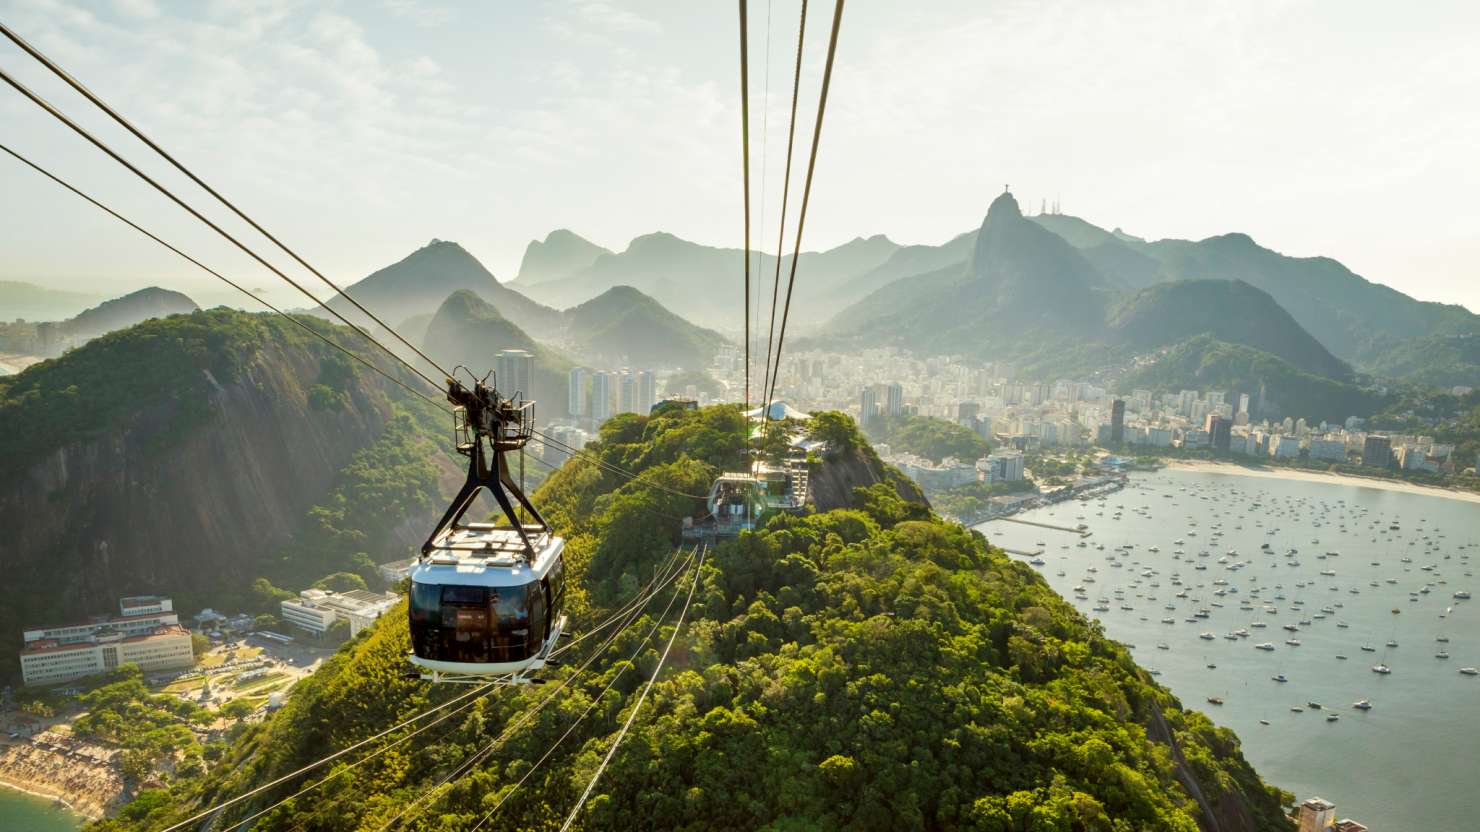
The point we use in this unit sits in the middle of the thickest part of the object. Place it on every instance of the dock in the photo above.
(1071, 530)
(1022, 553)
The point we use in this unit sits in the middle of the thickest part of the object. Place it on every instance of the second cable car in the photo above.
(487, 598)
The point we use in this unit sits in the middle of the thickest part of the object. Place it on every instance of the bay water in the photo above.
(1370, 568)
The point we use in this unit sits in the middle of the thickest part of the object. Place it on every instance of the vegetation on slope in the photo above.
(96, 389)
(1206, 363)
(1232, 311)
(935, 439)
(1439, 360)
(192, 455)
(864, 668)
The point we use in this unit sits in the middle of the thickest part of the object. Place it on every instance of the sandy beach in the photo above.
(1235, 469)
(84, 779)
(14, 362)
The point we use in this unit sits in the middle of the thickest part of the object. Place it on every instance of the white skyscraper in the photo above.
(601, 396)
(627, 392)
(512, 370)
(576, 403)
(647, 391)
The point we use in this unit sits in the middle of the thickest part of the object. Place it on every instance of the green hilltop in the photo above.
(868, 667)
(1205, 363)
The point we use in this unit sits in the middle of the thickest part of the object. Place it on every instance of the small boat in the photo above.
(1293, 642)
(1332, 717)
(1470, 671)
(1314, 706)
(1279, 677)
(1367, 648)
(1296, 709)
(1442, 654)
(1362, 705)
(1264, 646)
(1215, 700)
(1392, 643)
(1381, 669)
(1263, 722)
(1340, 656)
(1462, 595)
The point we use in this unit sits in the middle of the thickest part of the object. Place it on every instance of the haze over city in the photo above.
(1319, 128)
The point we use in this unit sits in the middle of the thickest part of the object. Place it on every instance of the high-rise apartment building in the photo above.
(647, 391)
(1220, 432)
(512, 370)
(1377, 451)
(868, 407)
(627, 392)
(1117, 421)
(894, 399)
(576, 401)
(601, 396)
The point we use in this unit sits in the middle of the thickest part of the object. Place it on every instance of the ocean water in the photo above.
(21, 812)
(1408, 763)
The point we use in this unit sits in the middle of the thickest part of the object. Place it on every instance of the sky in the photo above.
(359, 131)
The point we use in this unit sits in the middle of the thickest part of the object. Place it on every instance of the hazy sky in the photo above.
(360, 130)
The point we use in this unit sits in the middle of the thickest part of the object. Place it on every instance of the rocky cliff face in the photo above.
(831, 483)
(184, 506)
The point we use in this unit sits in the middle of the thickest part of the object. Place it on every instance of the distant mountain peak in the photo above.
(655, 240)
(1236, 239)
(560, 255)
(1005, 206)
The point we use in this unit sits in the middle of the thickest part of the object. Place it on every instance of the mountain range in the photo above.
(699, 282)
(619, 326)
(1355, 324)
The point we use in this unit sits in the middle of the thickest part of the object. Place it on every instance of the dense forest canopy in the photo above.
(870, 667)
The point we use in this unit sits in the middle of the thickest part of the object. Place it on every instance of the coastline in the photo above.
(12, 363)
(1235, 469)
(88, 787)
(7, 785)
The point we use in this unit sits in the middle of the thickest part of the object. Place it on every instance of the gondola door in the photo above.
(539, 624)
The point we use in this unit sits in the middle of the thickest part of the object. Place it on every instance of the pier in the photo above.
(1070, 529)
(1022, 553)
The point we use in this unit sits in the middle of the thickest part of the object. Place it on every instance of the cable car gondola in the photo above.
(486, 598)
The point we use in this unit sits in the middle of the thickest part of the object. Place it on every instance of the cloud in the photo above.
(422, 14)
(613, 18)
(141, 9)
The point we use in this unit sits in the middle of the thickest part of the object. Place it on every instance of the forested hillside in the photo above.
(870, 667)
(195, 454)
(1275, 387)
